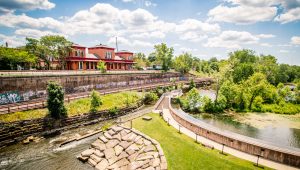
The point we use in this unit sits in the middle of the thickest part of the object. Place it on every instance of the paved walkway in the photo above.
(168, 118)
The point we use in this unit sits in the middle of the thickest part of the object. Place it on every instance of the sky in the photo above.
(204, 28)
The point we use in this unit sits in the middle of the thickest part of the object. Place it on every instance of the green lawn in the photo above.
(79, 106)
(182, 152)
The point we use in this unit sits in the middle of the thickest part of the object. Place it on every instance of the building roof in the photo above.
(118, 58)
(124, 51)
(77, 45)
(102, 46)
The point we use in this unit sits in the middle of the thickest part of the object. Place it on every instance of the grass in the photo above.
(287, 108)
(77, 107)
(182, 152)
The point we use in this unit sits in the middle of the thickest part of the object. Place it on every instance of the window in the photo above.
(80, 66)
(108, 55)
(87, 65)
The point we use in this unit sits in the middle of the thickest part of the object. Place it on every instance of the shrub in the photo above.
(113, 111)
(150, 98)
(95, 101)
(257, 104)
(101, 66)
(192, 84)
(55, 101)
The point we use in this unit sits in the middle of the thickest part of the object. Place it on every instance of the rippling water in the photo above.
(47, 155)
(282, 136)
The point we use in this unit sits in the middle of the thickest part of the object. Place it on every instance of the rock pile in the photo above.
(124, 148)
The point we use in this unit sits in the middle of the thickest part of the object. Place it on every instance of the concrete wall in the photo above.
(251, 147)
(17, 89)
(14, 132)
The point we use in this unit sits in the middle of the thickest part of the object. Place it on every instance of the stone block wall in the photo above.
(17, 131)
(17, 89)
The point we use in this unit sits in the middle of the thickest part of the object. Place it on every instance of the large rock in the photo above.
(102, 165)
(110, 152)
(103, 139)
(96, 158)
(111, 143)
(87, 153)
(149, 148)
(125, 144)
(98, 153)
(118, 150)
(98, 145)
(107, 135)
(116, 128)
(92, 162)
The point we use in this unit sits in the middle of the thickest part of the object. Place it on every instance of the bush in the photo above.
(55, 101)
(257, 104)
(150, 98)
(101, 66)
(95, 101)
(192, 84)
(113, 111)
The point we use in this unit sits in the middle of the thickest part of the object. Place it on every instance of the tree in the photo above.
(55, 101)
(194, 100)
(49, 48)
(183, 63)
(165, 55)
(95, 101)
(256, 86)
(242, 72)
(141, 61)
(101, 66)
(11, 58)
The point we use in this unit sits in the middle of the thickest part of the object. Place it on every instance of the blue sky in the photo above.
(204, 28)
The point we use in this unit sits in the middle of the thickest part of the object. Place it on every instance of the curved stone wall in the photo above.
(289, 156)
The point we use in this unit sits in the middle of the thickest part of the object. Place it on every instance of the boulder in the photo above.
(110, 152)
(103, 139)
(111, 143)
(82, 158)
(102, 165)
(98, 153)
(96, 158)
(116, 128)
(92, 162)
(148, 118)
(87, 153)
(118, 150)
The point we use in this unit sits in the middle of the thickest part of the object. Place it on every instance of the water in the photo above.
(281, 135)
(47, 155)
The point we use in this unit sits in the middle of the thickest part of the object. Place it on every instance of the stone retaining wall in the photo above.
(18, 89)
(17, 131)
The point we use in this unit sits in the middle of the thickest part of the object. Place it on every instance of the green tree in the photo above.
(242, 72)
(10, 58)
(183, 63)
(101, 66)
(256, 86)
(49, 48)
(95, 101)
(194, 100)
(55, 101)
(165, 55)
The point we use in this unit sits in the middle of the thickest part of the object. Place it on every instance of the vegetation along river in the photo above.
(282, 130)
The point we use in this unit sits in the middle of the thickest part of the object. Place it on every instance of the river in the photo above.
(46, 154)
(282, 130)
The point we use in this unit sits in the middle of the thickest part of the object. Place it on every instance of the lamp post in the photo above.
(168, 121)
(179, 128)
(259, 155)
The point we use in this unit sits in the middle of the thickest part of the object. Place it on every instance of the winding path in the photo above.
(164, 106)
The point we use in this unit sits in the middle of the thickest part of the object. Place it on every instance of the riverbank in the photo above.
(182, 152)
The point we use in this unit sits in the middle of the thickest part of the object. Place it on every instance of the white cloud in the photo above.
(241, 14)
(33, 33)
(232, 39)
(12, 41)
(265, 44)
(252, 11)
(295, 40)
(12, 5)
(289, 16)
(195, 30)
(147, 35)
(266, 36)
(283, 51)
(122, 41)
(149, 3)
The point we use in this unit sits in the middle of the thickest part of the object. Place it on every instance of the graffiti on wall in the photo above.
(10, 97)
(29, 95)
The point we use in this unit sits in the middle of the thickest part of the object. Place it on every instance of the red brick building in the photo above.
(83, 58)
